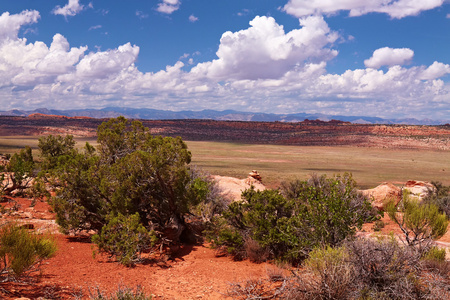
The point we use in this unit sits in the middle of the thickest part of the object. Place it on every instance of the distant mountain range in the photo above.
(226, 115)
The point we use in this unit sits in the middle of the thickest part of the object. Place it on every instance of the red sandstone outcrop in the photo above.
(387, 191)
(383, 193)
(418, 189)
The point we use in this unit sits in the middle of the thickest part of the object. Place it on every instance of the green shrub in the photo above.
(124, 238)
(207, 199)
(226, 239)
(383, 267)
(420, 223)
(333, 273)
(435, 253)
(288, 224)
(21, 251)
(439, 197)
(366, 269)
(323, 258)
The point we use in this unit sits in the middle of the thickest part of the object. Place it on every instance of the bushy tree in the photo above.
(291, 222)
(208, 198)
(54, 148)
(131, 173)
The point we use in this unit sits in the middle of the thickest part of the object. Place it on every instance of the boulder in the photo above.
(233, 187)
(382, 194)
(419, 189)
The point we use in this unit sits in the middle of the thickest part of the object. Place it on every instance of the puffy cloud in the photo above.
(389, 57)
(168, 6)
(11, 24)
(72, 8)
(193, 18)
(261, 69)
(436, 70)
(265, 51)
(25, 64)
(394, 8)
(107, 63)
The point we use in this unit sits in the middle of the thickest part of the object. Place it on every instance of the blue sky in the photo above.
(385, 58)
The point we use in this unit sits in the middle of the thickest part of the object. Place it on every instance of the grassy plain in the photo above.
(275, 163)
(369, 166)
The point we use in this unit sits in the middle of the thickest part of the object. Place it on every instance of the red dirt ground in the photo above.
(196, 274)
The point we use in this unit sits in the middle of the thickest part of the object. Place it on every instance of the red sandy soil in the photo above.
(195, 274)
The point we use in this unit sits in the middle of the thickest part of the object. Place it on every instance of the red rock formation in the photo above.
(383, 193)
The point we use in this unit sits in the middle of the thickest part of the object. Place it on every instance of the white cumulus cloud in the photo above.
(261, 68)
(107, 63)
(436, 70)
(389, 57)
(394, 8)
(265, 50)
(11, 24)
(23, 64)
(168, 6)
(72, 8)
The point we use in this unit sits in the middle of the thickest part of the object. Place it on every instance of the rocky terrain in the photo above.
(305, 133)
(196, 272)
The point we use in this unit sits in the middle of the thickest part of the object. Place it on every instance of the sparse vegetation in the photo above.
(289, 223)
(21, 252)
(420, 223)
(136, 191)
(122, 293)
(359, 269)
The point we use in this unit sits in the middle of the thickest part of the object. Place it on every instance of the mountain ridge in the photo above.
(208, 114)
